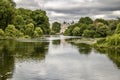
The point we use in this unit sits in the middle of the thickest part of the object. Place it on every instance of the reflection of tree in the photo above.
(56, 42)
(83, 48)
(113, 54)
(6, 63)
(39, 50)
(31, 50)
(9, 49)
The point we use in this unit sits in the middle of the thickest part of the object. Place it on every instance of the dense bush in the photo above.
(113, 40)
(29, 30)
(11, 31)
(38, 32)
(89, 33)
(110, 41)
(117, 31)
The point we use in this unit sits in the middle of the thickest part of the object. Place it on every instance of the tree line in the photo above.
(108, 30)
(22, 22)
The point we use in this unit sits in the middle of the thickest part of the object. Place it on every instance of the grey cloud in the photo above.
(68, 10)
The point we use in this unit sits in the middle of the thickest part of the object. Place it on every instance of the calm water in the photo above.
(55, 58)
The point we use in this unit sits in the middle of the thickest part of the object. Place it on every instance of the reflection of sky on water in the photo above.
(64, 62)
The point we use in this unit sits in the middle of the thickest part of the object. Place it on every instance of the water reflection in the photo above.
(112, 53)
(56, 42)
(30, 50)
(83, 48)
(56, 59)
(11, 50)
(6, 63)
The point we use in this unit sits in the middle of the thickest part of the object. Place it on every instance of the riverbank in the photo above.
(89, 41)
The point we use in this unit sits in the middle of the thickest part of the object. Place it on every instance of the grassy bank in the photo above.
(109, 42)
(84, 40)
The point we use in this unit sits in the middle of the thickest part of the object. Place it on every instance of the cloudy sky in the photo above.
(68, 10)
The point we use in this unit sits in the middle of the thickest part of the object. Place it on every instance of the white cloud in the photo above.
(17, 1)
(116, 13)
(54, 14)
(99, 16)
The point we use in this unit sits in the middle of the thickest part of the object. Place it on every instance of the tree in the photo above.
(56, 27)
(19, 22)
(38, 32)
(69, 30)
(86, 20)
(72, 29)
(41, 20)
(6, 13)
(2, 33)
(112, 25)
(29, 29)
(82, 28)
(11, 31)
(12, 3)
(88, 33)
(102, 29)
(25, 14)
(76, 31)
(101, 21)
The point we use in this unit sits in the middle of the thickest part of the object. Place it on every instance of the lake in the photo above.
(56, 58)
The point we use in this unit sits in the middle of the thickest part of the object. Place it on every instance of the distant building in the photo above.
(64, 26)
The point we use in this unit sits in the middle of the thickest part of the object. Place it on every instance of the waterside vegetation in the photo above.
(20, 22)
(107, 32)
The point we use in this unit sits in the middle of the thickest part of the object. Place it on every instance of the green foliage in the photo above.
(110, 41)
(78, 28)
(117, 31)
(1, 33)
(68, 31)
(38, 32)
(76, 31)
(82, 28)
(101, 21)
(113, 40)
(52, 32)
(11, 31)
(86, 20)
(25, 14)
(56, 27)
(97, 35)
(40, 19)
(12, 3)
(72, 29)
(95, 29)
(6, 13)
(102, 29)
(23, 21)
(37, 17)
(101, 41)
(19, 22)
(29, 30)
(88, 33)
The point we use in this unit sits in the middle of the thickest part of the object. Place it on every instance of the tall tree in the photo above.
(86, 20)
(41, 20)
(6, 13)
(56, 27)
(101, 21)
